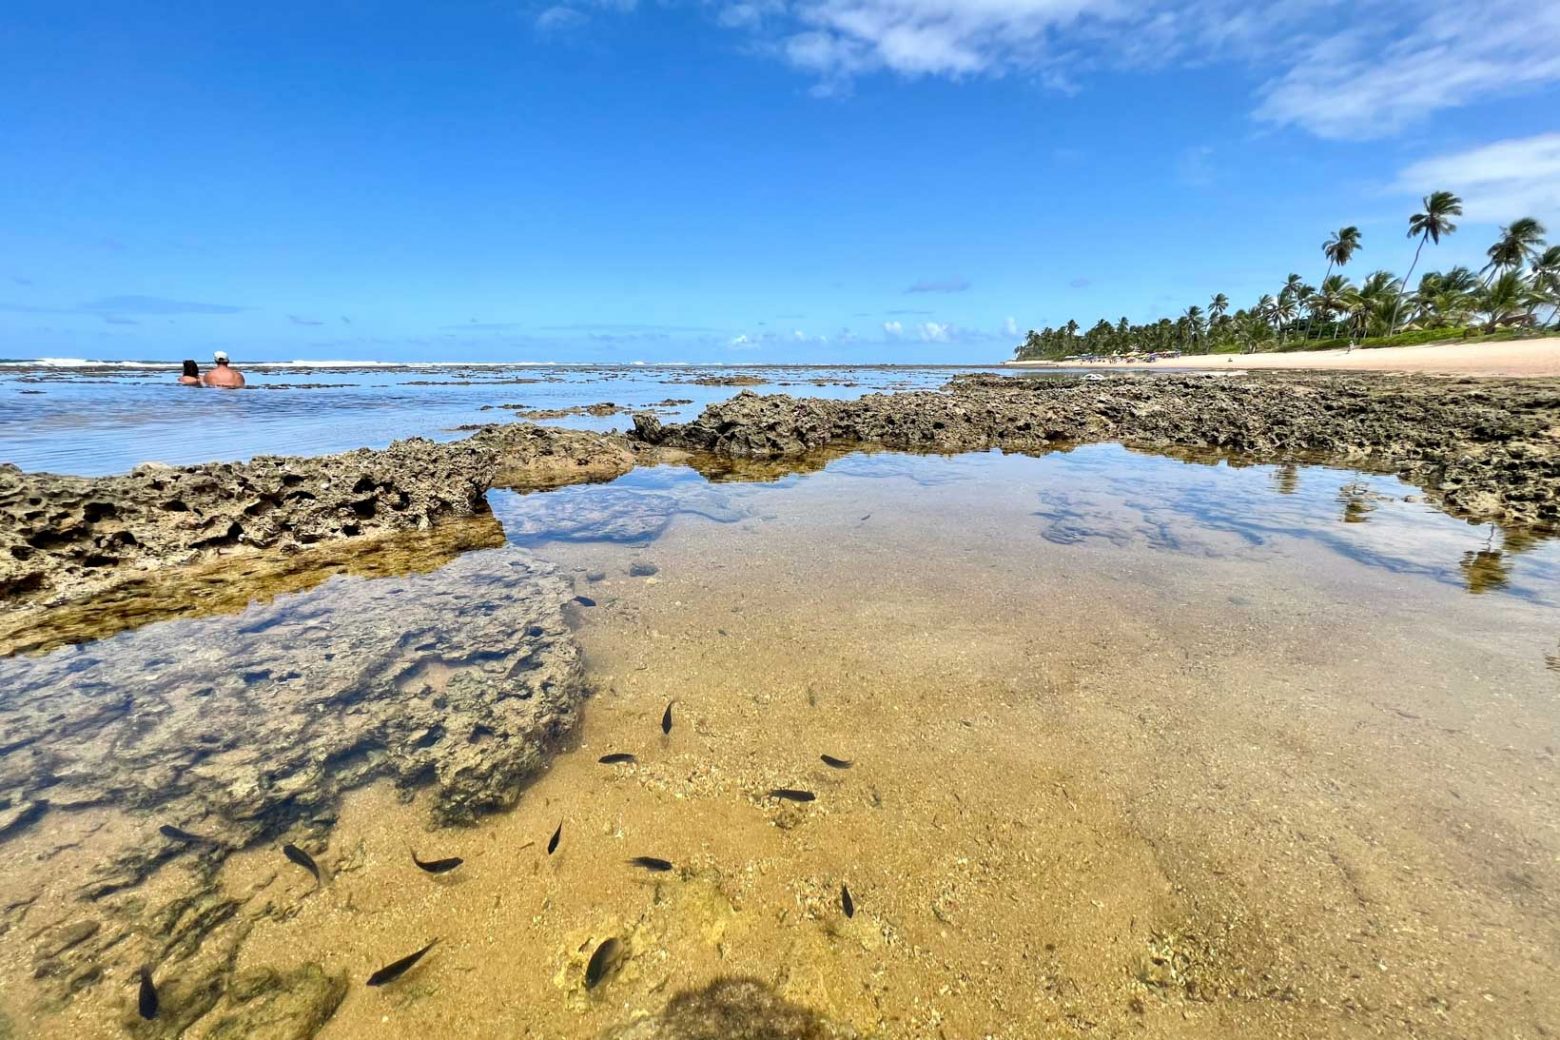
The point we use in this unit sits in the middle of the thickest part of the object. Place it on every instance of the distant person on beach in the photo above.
(191, 376)
(224, 375)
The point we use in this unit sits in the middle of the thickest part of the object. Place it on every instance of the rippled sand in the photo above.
(1139, 748)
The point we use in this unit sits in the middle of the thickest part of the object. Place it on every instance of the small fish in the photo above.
(438, 866)
(168, 830)
(790, 794)
(846, 902)
(585, 601)
(666, 718)
(552, 843)
(617, 758)
(866, 518)
(602, 962)
(391, 972)
(146, 1001)
(836, 763)
(303, 859)
(652, 863)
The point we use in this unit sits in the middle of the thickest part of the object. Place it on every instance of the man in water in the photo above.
(224, 375)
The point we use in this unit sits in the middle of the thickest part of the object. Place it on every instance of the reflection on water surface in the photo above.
(1137, 746)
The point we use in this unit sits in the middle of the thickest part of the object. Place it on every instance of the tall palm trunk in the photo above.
(1403, 288)
(1311, 311)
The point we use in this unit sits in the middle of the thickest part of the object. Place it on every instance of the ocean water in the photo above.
(89, 420)
(1138, 746)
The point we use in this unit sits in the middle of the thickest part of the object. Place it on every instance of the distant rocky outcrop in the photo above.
(1486, 449)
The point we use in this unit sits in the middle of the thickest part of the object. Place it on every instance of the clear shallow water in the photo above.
(1200, 750)
(97, 421)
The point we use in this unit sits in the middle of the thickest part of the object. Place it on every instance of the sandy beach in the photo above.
(1540, 357)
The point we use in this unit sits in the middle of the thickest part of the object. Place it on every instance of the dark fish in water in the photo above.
(303, 859)
(552, 843)
(438, 866)
(617, 758)
(602, 962)
(146, 1000)
(836, 763)
(652, 863)
(585, 601)
(168, 830)
(790, 794)
(391, 972)
(846, 902)
(666, 718)
(867, 517)
(535, 630)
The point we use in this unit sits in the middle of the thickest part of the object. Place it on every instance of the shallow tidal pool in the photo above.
(1137, 746)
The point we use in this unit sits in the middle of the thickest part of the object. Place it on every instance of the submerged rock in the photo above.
(247, 730)
(732, 1009)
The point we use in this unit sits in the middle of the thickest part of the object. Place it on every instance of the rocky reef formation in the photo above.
(183, 743)
(62, 537)
(1487, 450)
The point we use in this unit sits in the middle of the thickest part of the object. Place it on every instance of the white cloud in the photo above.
(1339, 69)
(558, 18)
(893, 329)
(1379, 74)
(932, 332)
(1010, 327)
(1498, 182)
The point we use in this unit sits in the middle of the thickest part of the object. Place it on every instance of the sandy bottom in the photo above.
(1540, 357)
(1119, 768)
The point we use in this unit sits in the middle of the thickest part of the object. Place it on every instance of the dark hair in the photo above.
(191, 368)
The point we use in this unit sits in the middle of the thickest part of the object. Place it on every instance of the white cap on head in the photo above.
(220, 355)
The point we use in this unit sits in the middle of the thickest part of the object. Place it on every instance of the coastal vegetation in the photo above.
(1509, 295)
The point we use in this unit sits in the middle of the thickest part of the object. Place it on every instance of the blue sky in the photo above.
(729, 180)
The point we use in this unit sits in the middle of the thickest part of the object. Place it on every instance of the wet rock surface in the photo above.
(62, 537)
(607, 514)
(1486, 449)
(243, 733)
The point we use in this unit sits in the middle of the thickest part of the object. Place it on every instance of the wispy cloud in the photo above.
(940, 285)
(1390, 65)
(1363, 69)
(1079, 283)
(296, 320)
(1519, 177)
(559, 18)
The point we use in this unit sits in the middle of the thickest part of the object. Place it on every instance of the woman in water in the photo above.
(191, 376)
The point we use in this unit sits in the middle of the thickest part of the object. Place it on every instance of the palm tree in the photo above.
(1446, 299)
(1194, 322)
(1430, 224)
(1520, 241)
(1284, 313)
(1218, 305)
(1338, 248)
(1506, 301)
(1378, 302)
(1546, 278)
(1333, 297)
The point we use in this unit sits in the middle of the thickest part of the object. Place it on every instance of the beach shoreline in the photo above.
(1507, 359)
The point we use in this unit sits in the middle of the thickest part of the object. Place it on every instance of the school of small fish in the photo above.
(608, 955)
